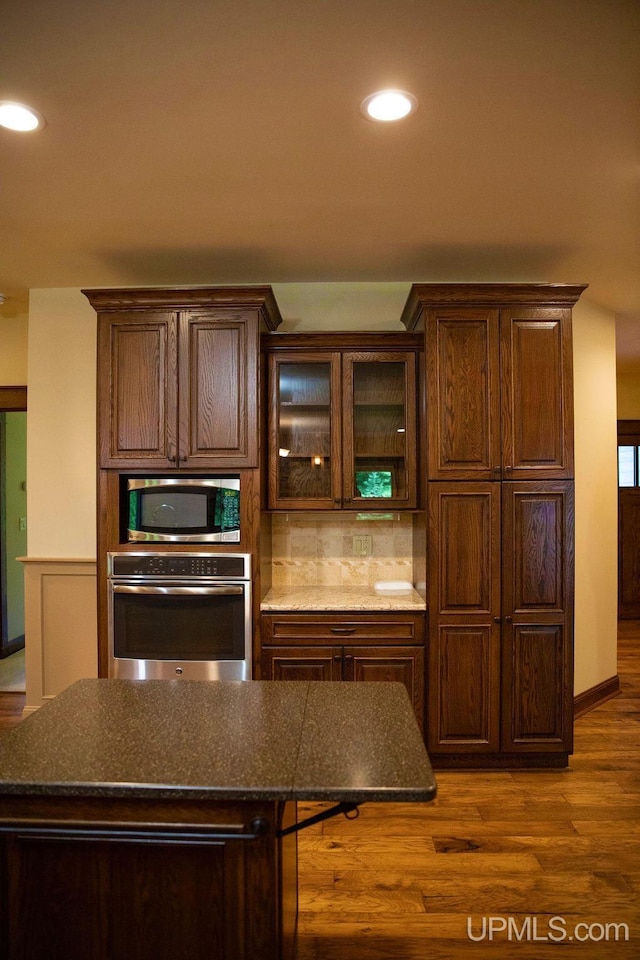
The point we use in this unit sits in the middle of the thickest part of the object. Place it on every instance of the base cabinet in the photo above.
(369, 649)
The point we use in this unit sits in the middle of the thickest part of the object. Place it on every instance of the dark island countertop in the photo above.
(222, 740)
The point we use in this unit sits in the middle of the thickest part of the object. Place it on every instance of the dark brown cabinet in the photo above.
(178, 376)
(464, 611)
(342, 422)
(499, 379)
(355, 646)
(538, 533)
(500, 520)
(502, 597)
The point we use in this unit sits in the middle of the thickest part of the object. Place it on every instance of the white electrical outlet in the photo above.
(362, 546)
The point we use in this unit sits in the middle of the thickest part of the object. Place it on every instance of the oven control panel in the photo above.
(180, 566)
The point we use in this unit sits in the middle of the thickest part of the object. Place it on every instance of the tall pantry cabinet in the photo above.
(500, 524)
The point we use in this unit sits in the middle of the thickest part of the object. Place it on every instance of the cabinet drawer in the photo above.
(345, 629)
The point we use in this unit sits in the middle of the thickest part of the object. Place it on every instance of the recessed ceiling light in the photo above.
(385, 106)
(17, 116)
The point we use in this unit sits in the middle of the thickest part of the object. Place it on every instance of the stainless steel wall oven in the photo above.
(173, 615)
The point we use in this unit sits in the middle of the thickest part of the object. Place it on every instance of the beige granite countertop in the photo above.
(338, 598)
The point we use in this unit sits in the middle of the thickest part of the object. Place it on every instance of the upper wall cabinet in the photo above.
(342, 421)
(178, 376)
(499, 381)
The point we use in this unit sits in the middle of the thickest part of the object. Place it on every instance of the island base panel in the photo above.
(74, 887)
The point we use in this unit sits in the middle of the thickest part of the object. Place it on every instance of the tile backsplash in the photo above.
(317, 549)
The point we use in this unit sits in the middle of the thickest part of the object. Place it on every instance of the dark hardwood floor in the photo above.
(11, 707)
(412, 883)
(554, 857)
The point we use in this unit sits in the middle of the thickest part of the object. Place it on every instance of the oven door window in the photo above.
(184, 623)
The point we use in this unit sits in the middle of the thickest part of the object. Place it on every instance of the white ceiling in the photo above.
(219, 141)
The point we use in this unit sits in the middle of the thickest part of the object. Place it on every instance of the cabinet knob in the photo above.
(497, 619)
(508, 619)
(337, 500)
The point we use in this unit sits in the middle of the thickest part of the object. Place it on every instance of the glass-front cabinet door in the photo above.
(342, 431)
(379, 431)
(305, 432)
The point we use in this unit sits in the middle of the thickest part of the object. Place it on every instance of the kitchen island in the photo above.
(154, 819)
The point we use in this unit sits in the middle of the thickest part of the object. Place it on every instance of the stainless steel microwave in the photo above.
(183, 509)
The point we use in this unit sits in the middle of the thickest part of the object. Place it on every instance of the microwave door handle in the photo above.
(217, 591)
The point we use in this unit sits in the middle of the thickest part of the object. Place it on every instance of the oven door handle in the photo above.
(172, 591)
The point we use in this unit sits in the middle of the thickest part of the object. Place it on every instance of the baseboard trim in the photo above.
(594, 696)
(12, 647)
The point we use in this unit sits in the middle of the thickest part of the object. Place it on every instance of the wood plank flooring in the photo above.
(421, 882)
(552, 857)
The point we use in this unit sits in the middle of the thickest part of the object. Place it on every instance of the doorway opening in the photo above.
(628, 519)
(13, 535)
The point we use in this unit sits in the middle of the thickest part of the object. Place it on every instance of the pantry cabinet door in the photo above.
(537, 393)
(463, 393)
(464, 618)
(537, 651)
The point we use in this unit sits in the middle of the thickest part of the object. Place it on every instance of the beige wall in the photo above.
(61, 443)
(596, 496)
(60, 582)
(13, 350)
(61, 455)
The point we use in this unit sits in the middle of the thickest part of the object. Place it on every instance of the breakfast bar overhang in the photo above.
(158, 818)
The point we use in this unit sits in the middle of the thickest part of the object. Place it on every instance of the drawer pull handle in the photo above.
(343, 631)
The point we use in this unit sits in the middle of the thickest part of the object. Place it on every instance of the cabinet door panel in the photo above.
(137, 391)
(55, 893)
(379, 430)
(538, 550)
(389, 664)
(463, 702)
(463, 393)
(464, 612)
(537, 665)
(464, 549)
(218, 394)
(537, 393)
(302, 663)
(71, 898)
(305, 432)
(534, 695)
(199, 881)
